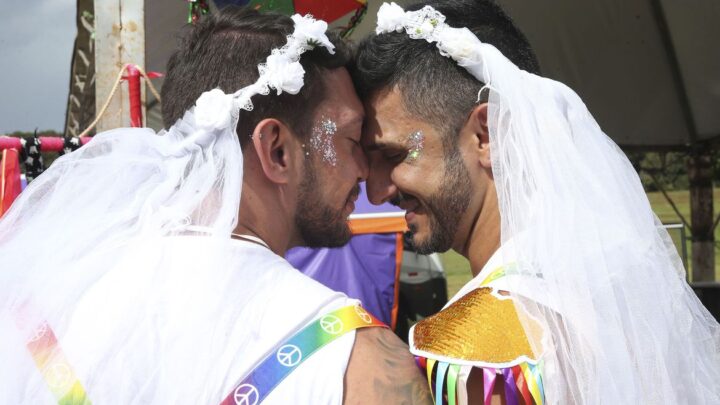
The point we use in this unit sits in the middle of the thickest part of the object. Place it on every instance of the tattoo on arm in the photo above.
(391, 374)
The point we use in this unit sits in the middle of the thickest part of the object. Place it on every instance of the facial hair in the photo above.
(446, 207)
(319, 224)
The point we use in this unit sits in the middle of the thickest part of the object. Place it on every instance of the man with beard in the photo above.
(578, 295)
(302, 166)
(172, 286)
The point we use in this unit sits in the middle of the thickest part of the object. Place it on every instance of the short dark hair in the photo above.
(223, 51)
(434, 87)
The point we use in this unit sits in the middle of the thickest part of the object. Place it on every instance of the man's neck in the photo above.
(484, 239)
(265, 219)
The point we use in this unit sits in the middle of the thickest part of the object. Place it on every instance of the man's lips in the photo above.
(409, 205)
(350, 206)
(350, 202)
(412, 208)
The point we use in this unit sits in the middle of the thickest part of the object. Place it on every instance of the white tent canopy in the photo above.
(649, 70)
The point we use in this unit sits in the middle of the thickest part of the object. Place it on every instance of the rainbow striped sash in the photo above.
(259, 383)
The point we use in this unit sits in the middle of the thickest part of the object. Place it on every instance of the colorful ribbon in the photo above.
(511, 394)
(532, 383)
(522, 381)
(537, 377)
(521, 384)
(55, 368)
(258, 384)
(440, 381)
(429, 371)
(489, 376)
(452, 378)
(494, 275)
(463, 375)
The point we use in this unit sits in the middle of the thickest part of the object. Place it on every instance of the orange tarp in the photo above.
(361, 226)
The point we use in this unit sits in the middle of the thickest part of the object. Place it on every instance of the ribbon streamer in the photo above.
(452, 378)
(489, 376)
(440, 381)
(521, 384)
(511, 394)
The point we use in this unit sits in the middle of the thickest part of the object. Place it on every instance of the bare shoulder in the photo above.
(381, 370)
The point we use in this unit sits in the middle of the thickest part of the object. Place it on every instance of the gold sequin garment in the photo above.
(477, 327)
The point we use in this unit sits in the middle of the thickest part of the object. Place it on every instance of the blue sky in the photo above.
(36, 41)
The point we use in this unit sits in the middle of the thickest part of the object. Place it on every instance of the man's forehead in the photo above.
(388, 123)
(341, 102)
(342, 115)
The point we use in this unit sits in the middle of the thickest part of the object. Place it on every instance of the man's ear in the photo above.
(477, 124)
(272, 142)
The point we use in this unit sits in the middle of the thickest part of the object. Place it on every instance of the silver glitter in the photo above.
(415, 144)
(322, 140)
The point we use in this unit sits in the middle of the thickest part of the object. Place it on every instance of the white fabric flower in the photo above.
(213, 110)
(427, 28)
(311, 31)
(459, 43)
(390, 17)
(283, 74)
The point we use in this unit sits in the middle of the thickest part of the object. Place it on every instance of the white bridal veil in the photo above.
(594, 265)
(102, 219)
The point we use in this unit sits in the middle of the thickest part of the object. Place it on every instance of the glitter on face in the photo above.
(322, 140)
(415, 143)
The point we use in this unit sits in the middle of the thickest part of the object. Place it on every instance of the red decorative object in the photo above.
(10, 186)
(47, 143)
(133, 78)
(327, 10)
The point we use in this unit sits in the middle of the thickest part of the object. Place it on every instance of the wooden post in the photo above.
(119, 40)
(701, 214)
(81, 97)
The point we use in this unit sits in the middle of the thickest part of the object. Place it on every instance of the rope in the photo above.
(112, 93)
(150, 85)
(107, 103)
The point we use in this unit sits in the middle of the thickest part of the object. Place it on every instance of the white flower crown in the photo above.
(429, 24)
(281, 71)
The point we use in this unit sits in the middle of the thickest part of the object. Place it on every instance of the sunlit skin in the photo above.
(276, 160)
(343, 107)
(275, 164)
(387, 126)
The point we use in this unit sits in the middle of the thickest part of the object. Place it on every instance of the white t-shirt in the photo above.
(187, 318)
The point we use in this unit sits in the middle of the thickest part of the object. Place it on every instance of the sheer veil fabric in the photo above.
(595, 268)
(107, 226)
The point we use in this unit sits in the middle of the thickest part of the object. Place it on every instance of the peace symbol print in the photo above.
(360, 311)
(331, 324)
(289, 355)
(58, 375)
(39, 332)
(246, 394)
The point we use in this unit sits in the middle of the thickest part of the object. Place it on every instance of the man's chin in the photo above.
(426, 243)
(329, 236)
(420, 242)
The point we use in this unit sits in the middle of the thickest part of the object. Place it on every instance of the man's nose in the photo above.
(380, 187)
(363, 166)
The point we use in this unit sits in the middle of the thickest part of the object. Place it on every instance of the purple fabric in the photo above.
(363, 269)
(511, 394)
